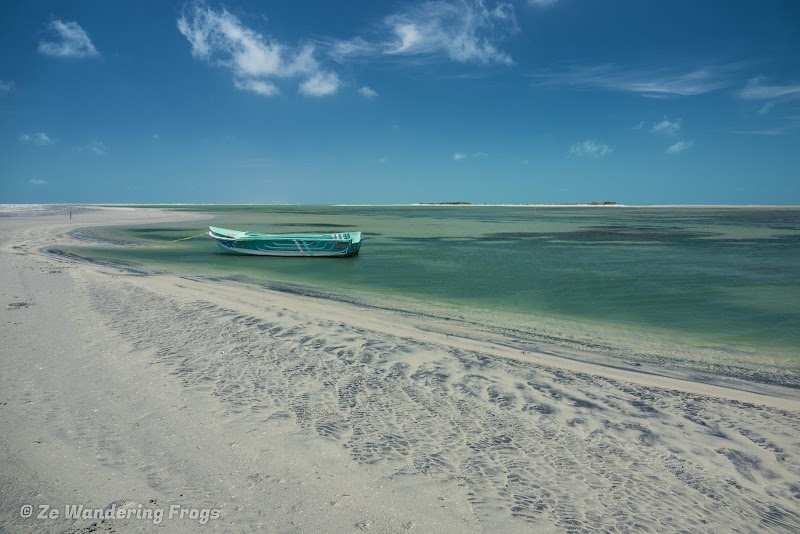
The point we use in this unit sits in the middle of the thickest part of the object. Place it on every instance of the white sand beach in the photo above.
(268, 411)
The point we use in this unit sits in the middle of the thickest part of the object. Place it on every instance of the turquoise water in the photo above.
(675, 280)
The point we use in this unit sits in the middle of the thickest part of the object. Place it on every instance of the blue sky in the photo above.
(643, 102)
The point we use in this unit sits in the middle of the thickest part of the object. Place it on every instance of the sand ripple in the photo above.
(532, 446)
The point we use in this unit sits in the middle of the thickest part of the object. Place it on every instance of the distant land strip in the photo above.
(460, 203)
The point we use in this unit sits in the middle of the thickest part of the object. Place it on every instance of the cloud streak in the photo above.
(97, 147)
(791, 124)
(590, 148)
(67, 40)
(255, 60)
(37, 181)
(464, 31)
(647, 83)
(755, 89)
(259, 87)
(40, 138)
(320, 84)
(770, 131)
(679, 147)
(368, 92)
(476, 155)
(666, 127)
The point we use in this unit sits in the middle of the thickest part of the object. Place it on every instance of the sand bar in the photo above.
(286, 413)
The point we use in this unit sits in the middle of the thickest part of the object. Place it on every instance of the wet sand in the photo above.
(289, 413)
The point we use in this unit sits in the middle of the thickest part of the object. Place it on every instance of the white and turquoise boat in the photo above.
(325, 245)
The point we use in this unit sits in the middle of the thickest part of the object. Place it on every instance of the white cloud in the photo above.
(98, 147)
(37, 181)
(666, 126)
(466, 31)
(368, 92)
(679, 147)
(542, 3)
(756, 90)
(68, 39)
(766, 108)
(410, 37)
(220, 38)
(649, 83)
(476, 155)
(463, 31)
(342, 51)
(321, 84)
(259, 87)
(771, 131)
(590, 148)
(40, 139)
(6, 87)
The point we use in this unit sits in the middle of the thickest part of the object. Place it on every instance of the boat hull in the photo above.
(341, 245)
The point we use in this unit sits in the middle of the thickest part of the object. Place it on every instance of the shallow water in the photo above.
(679, 282)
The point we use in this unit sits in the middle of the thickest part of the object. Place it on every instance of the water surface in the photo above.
(686, 282)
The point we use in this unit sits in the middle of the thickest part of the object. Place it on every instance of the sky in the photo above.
(363, 101)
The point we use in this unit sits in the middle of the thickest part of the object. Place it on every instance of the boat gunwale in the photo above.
(352, 237)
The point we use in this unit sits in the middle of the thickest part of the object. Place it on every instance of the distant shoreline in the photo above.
(567, 205)
(52, 208)
(590, 205)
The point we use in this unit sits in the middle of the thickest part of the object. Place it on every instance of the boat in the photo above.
(341, 245)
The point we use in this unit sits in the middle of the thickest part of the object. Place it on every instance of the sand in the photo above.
(274, 412)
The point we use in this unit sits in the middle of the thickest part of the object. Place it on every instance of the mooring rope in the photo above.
(185, 238)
